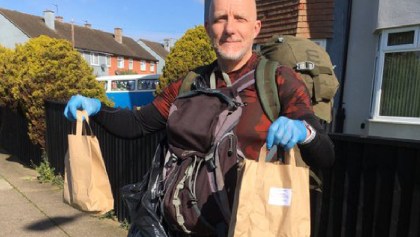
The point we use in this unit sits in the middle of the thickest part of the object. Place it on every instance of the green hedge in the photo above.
(44, 69)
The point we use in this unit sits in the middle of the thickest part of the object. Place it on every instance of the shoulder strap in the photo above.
(187, 82)
(189, 79)
(267, 87)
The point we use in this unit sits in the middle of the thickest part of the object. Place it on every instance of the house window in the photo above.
(120, 62)
(108, 61)
(130, 63)
(397, 92)
(152, 66)
(142, 65)
(94, 59)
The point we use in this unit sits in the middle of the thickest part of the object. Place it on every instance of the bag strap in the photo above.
(267, 87)
(189, 79)
(80, 126)
(187, 82)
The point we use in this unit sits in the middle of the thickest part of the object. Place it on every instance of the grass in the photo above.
(125, 224)
(46, 173)
(111, 215)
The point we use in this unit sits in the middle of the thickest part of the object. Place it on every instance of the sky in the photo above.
(153, 20)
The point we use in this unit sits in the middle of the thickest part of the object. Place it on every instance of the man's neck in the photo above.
(230, 66)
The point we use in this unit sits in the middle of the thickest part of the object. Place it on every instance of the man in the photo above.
(232, 26)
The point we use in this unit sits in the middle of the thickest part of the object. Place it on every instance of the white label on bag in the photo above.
(280, 196)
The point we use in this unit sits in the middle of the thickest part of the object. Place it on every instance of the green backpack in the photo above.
(309, 60)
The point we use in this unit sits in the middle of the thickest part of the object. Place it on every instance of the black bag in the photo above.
(143, 199)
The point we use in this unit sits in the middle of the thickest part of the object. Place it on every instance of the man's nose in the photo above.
(230, 26)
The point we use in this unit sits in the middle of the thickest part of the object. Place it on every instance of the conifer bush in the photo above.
(194, 49)
(44, 69)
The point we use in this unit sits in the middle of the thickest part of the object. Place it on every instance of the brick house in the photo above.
(107, 53)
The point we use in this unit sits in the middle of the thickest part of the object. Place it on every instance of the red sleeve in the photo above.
(164, 100)
(293, 94)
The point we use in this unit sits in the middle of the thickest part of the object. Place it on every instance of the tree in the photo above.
(46, 69)
(192, 50)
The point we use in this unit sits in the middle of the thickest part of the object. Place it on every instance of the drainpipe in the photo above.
(341, 112)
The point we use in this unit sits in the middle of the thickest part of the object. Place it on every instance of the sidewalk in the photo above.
(28, 208)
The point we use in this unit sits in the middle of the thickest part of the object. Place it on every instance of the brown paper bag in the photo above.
(86, 183)
(272, 199)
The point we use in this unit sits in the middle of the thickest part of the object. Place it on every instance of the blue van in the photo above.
(130, 91)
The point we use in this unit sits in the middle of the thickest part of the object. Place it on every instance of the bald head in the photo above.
(232, 27)
(216, 4)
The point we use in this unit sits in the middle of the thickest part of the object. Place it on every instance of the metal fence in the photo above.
(14, 137)
(373, 188)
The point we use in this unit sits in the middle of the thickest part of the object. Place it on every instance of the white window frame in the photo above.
(383, 49)
(94, 56)
(108, 60)
(152, 66)
(143, 65)
(130, 64)
(120, 62)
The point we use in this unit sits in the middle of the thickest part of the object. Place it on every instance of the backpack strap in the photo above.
(189, 79)
(187, 82)
(267, 87)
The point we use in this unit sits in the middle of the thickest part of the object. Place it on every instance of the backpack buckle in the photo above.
(305, 66)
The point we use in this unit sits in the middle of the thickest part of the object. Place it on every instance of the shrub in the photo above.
(6, 98)
(46, 69)
(192, 50)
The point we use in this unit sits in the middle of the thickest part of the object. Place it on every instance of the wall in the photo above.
(403, 13)
(98, 70)
(360, 70)
(10, 35)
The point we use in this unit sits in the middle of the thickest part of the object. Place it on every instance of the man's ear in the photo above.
(257, 28)
(206, 26)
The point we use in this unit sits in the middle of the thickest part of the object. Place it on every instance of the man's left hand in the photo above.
(286, 132)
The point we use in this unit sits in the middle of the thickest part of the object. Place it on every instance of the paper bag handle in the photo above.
(267, 155)
(80, 128)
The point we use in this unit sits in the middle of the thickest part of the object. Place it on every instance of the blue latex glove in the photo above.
(286, 132)
(91, 105)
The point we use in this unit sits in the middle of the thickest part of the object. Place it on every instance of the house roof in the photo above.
(157, 47)
(85, 38)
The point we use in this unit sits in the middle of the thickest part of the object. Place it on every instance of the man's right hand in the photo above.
(91, 105)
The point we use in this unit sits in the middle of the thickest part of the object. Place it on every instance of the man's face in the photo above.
(232, 28)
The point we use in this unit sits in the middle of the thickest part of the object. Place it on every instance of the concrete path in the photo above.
(29, 208)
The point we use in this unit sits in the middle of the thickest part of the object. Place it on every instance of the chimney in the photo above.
(118, 35)
(168, 44)
(59, 18)
(88, 25)
(49, 19)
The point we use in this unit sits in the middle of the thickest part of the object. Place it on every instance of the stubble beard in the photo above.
(229, 56)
